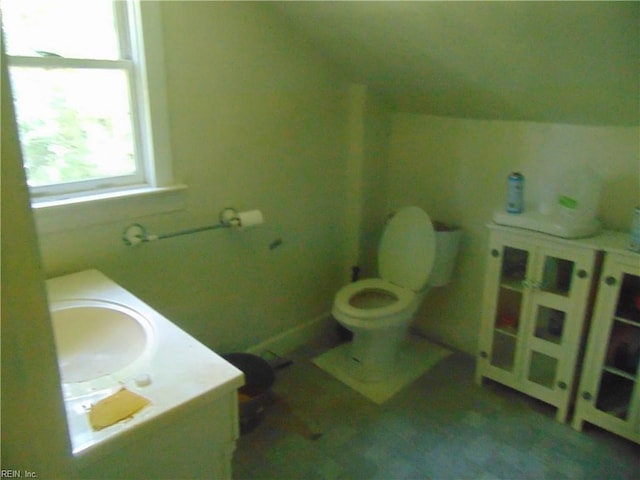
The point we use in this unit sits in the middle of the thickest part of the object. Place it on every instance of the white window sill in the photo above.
(53, 216)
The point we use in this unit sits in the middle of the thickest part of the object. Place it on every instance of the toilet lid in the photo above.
(407, 249)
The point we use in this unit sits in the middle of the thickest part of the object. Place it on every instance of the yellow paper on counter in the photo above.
(119, 406)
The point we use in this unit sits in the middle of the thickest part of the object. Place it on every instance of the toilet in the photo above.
(378, 311)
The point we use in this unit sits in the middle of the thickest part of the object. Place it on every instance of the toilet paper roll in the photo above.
(250, 218)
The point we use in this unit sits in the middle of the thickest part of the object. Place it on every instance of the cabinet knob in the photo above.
(586, 395)
(483, 354)
(582, 273)
(495, 253)
(562, 385)
(610, 280)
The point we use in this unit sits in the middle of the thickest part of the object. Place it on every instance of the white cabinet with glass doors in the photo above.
(536, 297)
(609, 392)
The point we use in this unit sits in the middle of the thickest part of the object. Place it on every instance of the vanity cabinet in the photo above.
(609, 391)
(536, 297)
(195, 441)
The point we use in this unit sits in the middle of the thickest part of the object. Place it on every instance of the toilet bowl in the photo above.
(378, 311)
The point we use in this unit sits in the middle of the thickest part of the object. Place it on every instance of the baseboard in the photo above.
(289, 340)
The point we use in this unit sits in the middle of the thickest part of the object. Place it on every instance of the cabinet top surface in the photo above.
(607, 240)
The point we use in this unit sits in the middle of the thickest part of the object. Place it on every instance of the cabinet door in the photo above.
(610, 391)
(535, 300)
(504, 304)
(557, 288)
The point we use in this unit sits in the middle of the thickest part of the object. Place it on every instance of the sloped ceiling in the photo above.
(561, 62)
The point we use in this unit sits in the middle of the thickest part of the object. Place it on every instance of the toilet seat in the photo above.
(397, 299)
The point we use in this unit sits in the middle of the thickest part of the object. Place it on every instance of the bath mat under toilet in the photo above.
(417, 356)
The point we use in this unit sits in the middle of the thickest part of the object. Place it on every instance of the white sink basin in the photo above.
(96, 338)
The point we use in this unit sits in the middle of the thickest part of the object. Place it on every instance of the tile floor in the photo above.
(442, 426)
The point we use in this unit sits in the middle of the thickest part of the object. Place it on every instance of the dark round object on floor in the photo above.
(252, 397)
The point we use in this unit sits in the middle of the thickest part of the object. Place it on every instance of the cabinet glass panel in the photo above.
(614, 395)
(557, 275)
(623, 351)
(514, 267)
(542, 369)
(503, 350)
(508, 311)
(509, 303)
(550, 324)
(628, 306)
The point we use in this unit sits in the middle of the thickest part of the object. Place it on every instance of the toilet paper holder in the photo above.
(136, 234)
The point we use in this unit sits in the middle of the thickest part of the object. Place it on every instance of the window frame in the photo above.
(79, 187)
(158, 192)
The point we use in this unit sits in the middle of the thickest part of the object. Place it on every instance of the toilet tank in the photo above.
(447, 246)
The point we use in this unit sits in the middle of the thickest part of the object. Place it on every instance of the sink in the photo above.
(95, 338)
(108, 339)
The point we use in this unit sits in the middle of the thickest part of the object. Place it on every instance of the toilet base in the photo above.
(373, 354)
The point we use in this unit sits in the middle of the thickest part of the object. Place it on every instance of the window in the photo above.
(84, 102)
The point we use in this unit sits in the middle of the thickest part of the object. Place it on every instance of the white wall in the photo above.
(34, 434)
(257, 120)
(456, 169)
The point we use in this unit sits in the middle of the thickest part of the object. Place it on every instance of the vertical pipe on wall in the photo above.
(354, 174)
